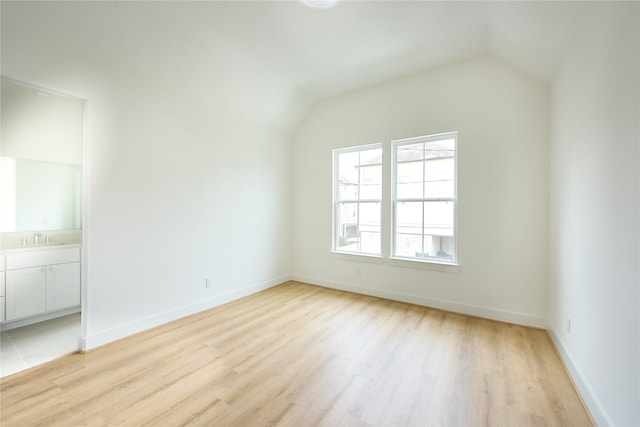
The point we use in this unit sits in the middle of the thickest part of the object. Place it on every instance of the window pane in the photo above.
(438, 230)
(439, 148)
(371, 157)
(359, 227)
(438, 247)
(438, 218)
(347, 226)
(370, 169)
(409, 170)
(371, 181)
(409, 218)
(408, 229)
(439, 177)
(360, 175)
(410, 153)
(370, 228)
(408, 245)
(409, 180)
(348, 176)
(432, 238)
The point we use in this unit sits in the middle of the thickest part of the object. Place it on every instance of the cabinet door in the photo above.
(63, 286)
(25, 292)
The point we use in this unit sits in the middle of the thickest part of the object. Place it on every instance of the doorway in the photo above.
(42, 217)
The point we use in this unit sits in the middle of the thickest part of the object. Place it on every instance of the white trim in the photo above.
(84, 251)
(425, 265)
(423, 138)
(46, 90)
(588, 396)
(397, 262)
(468, 309)
(357, 148)
(12, 324)
(357, 257)
(394, 188)
(335, 176)
(106, 336)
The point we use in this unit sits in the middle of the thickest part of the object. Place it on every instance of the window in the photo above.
(419, 221)
(357, 178)
(424, 198)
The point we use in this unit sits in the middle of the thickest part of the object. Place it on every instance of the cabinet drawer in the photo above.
(43, 257)
(1, 262)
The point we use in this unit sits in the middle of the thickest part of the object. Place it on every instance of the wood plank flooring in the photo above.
(301, 355)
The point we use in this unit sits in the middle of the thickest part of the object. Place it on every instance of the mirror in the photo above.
(37, 195)
(41, 162)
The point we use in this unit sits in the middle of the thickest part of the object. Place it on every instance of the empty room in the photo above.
(320, 213)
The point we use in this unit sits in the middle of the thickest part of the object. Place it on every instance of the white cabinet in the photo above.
(41, 281)
(2, 288)
(63, 286)
(26, 292)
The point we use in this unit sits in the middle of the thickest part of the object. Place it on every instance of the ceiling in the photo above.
(359, 43)
(281, 51)
(354, 43)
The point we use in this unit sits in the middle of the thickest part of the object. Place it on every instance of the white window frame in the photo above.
(388, 203)
(336, 200)
(395, 200)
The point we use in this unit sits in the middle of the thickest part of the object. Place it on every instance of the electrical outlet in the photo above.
(568, 325)
(207, 282)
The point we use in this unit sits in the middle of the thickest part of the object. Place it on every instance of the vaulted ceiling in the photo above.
(289, 48)
(358, 43)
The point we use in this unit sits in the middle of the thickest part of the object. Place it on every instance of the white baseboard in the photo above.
(586, 392)
(37, 319)
(468, 309)
(107, 336)
(104, 337)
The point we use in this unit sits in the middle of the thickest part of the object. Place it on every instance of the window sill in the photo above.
(398, 262)
(372, 259)
(425, 265)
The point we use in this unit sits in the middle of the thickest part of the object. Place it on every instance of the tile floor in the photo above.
(32, 345)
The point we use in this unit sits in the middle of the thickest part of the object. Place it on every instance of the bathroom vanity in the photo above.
(39, 282)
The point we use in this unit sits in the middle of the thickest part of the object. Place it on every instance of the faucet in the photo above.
(36, 238)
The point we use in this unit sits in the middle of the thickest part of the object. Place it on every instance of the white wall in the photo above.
(502, 118)
(187, 158)
(35, 127)
(188, 170)
(594, 213)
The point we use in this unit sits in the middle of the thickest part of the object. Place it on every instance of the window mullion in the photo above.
(428, 199)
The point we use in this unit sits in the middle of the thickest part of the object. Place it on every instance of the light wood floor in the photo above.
(303, 355)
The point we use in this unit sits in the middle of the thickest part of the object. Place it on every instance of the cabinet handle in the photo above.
(42, 269)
